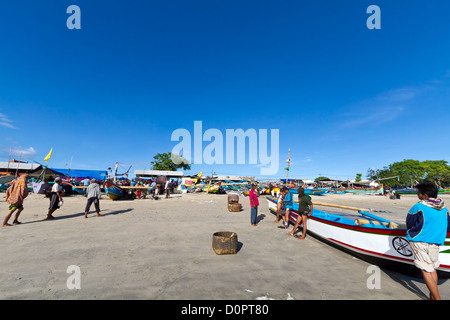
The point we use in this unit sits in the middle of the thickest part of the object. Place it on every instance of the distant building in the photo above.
(232, 178)
(12, 167)
(147, 174)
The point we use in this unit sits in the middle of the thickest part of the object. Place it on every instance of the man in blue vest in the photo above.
(427, 223)
(288, 204)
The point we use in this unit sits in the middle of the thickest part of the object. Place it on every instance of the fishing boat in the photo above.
(364, 191)
(335, 191)
(70, 188)
(316, 192)
(113, 191)
(414, 191)
(405, 191)
(213, 188)
(79, 189)
(368, 237)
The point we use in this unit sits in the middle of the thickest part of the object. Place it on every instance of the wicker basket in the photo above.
(234, 207)
(233, 197)
(224, 242)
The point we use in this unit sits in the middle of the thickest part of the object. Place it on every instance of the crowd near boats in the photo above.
(358, 231)
(118, 185)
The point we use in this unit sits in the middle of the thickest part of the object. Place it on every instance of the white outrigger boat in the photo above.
(367, 236)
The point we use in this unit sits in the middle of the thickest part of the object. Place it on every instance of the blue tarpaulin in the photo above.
(82, 174)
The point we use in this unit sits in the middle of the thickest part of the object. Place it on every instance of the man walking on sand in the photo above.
(15, 195)
(55, 198)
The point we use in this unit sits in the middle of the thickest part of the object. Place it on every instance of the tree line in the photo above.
(410, 172)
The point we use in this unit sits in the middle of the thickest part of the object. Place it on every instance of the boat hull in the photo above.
(316, 192)
(113, 191)
(413, 191)
(386, 247)
(362, 191)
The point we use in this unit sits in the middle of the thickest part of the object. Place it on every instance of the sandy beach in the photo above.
(162, 250)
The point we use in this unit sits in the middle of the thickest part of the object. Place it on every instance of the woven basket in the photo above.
(234, 207)
(224, 242)
(233, 197)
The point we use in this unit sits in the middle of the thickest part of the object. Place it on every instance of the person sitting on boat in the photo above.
(427, 225)
(279, 202)
(287, 205)
(305, 209)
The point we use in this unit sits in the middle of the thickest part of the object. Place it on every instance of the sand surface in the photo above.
(147, 249)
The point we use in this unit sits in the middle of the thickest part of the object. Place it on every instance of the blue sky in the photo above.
(344, 98)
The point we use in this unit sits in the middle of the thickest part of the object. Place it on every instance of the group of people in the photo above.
(427, 224)
(285, 206)
(18, 191)
(155, 189)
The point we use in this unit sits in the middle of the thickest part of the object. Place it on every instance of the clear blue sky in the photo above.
(344, 98)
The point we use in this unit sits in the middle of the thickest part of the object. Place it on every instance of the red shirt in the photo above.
(253, 198)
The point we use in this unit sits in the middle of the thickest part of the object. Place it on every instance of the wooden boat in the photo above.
(364, 191)
(335, 191)
(405, 191)
(367, 236)
(41, 187)
(315, 192)
(213, 189)
(113, 191)
(414, 191)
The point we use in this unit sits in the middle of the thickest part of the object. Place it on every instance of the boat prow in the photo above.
(368, 237)
(113, 191)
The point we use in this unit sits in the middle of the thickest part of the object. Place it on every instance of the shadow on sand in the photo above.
(408, 281)
(81, 214)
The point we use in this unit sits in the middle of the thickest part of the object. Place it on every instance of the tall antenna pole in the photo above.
(289, 164)
(70, 165)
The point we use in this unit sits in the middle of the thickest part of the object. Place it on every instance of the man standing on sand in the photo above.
(427, 225)
(305, 209)
(15, 195)
(93, 196)
(254, 203)
(167, 188)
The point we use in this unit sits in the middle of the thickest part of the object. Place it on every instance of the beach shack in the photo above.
(152, 174)
(18, 167)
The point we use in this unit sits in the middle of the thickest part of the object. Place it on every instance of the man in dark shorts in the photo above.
(305, 209)
(55, 198)
(93, 196)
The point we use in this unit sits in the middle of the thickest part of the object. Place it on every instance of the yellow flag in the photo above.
(49, 155)
(200, 174)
